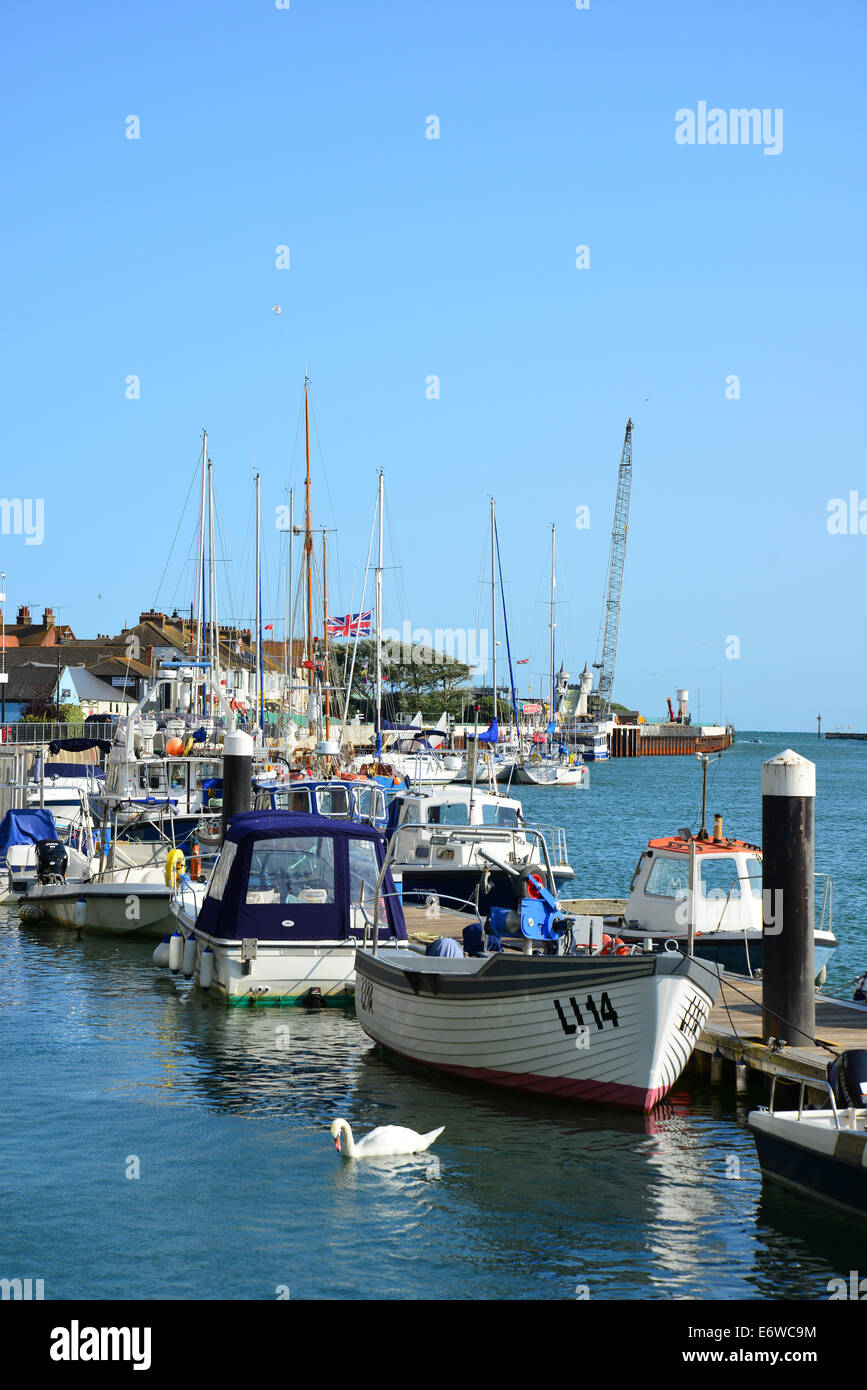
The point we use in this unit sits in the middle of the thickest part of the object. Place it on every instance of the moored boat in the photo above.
(285, 908)
(551, 1016)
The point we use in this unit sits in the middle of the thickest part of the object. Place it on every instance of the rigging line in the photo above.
(361, 610)
(177, 530)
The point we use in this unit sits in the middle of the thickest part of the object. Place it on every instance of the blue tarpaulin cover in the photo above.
(491, 734)
(78, 745)
(25, 828)
(444, 946)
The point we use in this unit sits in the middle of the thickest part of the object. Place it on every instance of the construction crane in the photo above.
(600, 699)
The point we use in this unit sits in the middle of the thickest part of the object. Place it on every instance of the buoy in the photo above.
(175, 865)
(189, 965)
(195, 861)
(161, 954)
(176, 952)
(206, 969)
(189, 746)
(79, 915)
(174, 747)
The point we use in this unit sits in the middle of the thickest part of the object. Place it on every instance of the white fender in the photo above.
(176, 952)
(206, 968)
(189, 965)
(161, 954)
(79, 915)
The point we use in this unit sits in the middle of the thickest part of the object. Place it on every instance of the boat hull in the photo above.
(825, 1164)
(127, 909)
(616, 1030)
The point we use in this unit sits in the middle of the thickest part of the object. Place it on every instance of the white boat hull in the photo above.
(616, 1029)
(113, 909)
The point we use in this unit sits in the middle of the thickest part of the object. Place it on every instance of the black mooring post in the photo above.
(788, 968)
(237, 775)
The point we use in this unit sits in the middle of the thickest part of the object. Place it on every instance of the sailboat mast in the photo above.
(259, 710)
(287, 607)
(494, 602)
(553, 624)
(378, 671)
(325, 635)
(200, 554)
(215, 624)
(308, 536)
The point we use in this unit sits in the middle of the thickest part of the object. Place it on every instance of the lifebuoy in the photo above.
(175, 866)
(613, 946)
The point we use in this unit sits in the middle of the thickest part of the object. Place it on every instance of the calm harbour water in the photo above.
(241, 1194)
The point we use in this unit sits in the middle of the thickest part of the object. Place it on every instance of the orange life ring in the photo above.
(613, 946)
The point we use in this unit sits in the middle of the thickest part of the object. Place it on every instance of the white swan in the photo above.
(384, 1142)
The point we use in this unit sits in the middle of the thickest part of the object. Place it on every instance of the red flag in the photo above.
(269, 627)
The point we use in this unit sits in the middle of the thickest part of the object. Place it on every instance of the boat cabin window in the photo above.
(448, 813)
(500, 815)
(177, 777)
(298, 799)
(297, 869)
(151, 778)
(753, 875)
(669, 878)
(333, 801)
(719, 878)
(363, 871)
(371, 804)
(219, 877)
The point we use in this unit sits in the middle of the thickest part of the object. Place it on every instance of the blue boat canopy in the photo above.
(285, 876)
(25, 828)
(78, 745)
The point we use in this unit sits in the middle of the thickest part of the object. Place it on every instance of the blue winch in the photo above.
(538, 918)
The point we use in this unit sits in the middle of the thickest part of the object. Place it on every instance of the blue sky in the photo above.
(411, 257)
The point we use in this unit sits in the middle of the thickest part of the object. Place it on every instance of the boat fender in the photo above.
(189, 959)
(195, 862)
(860, 995)
(206, 969)
(175, 866)
(189, 746)
(79, 915)
(176, 952)
(161, 954)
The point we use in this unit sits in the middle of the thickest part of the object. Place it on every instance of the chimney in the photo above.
(23, 619)
(48, 619)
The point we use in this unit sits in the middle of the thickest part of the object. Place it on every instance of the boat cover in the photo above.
(25, 828)
(232, 916)
(78, 745)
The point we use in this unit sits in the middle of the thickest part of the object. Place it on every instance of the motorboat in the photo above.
(285, 909)
(458, 846)
(820, 1153)
(728, 904)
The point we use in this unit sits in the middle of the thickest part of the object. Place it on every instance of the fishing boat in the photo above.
(460, 846)
(727, 901)
(285, 909)
(539, 1009)
(820, 1153)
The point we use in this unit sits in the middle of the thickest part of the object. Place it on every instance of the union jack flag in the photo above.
(350, 625)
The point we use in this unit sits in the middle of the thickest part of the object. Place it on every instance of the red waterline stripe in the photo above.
(603, 1092)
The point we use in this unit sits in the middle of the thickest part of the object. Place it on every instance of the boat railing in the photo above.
(28, 732)
(555, 837)
(813, 1083)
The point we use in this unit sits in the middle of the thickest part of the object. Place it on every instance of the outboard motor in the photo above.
(51, 861)
(847, 1075)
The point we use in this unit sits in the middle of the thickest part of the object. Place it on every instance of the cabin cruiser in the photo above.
(153, 772)
(728, 901)
(453, 843)
(287, 905)
(820, 1153)
(352, 798)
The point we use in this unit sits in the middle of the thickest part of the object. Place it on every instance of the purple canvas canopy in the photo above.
(230, 916)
